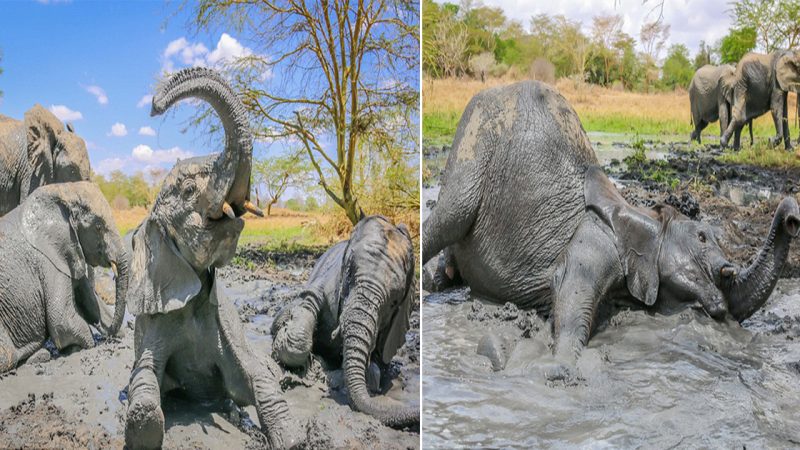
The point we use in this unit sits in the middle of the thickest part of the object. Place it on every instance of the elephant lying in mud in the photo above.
(188, 335)
(762, 83)
(35, 152)
(528, 217)
(710, 99)
(47, 245)
(355, 309)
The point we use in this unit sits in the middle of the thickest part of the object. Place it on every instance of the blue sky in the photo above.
(94, 63)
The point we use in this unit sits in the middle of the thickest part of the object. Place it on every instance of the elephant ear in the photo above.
(47, 226)
(637, 234)
(161, 279)
(787, 71)
(394, 336)
(41, 127)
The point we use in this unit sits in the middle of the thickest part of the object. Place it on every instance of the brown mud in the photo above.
(646, 380)
(79, 400)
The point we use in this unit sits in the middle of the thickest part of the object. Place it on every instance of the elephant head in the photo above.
(55, 154)
(787, 71)
(195, 222)
(72, 227)
(667, 257)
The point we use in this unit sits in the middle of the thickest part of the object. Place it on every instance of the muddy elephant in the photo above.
(528, 217)
(761, 84)
(188, 335)
(47, 245)
(35, 152)
(355, 310)
(710, 99)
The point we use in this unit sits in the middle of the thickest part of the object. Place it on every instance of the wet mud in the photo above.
(79, 400)
(646, 380)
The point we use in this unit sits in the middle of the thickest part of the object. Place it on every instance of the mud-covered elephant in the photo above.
(710, 99)
(354, 312)
(761, 84)
(47, 245)
(35, 152)
(188, 335)
(528, 217)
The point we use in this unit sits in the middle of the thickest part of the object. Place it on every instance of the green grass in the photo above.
(761, 155)
(280, 239)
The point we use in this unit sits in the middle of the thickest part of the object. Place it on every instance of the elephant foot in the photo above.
(287, 435)
(145, 426)
(561, 373)
(774, 141)
(41, 356)
(497, 348)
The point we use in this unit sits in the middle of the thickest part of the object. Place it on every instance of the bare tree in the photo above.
(323, 73)
(606, 31)
(481, 63)
(450, 42)
(653, 36)
(543, 70)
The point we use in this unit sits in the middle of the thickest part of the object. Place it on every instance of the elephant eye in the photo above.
(702, 236)
(189, 189)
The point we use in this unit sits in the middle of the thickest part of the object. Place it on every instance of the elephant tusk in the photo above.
(727, 272)
(253, 209)
(226, 208)
(114, 269)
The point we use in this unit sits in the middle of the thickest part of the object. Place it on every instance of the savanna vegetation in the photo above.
(615, 81)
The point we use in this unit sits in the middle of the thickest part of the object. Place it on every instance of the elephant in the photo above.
(710, 99)
(47, 245)
(529, 217)
(354, 309)
(761, 84)
(36, 152)
(188, 337)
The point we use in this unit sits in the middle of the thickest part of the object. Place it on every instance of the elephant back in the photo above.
(534, 154)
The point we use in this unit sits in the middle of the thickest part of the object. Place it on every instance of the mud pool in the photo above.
(648, 380)
(79, 401)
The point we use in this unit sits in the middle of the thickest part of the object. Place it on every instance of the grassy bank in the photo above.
(600, 109)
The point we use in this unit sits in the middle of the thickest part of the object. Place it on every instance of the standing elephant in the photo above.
(530, 218)
(35, 152)
(711, 97)
(761, 84)
(355, 309)
(188, 335)
(46, 247)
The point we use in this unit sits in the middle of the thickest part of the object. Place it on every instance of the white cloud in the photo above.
(65, 114)
(144, 101)
(109, 165)
(182, 53)
(228, 50)
(99, 94)
(118, 130)
(188, 53)
(144, 154)
(147, 131)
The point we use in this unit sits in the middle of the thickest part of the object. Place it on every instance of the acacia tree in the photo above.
(605, 32)
(278, 173)
(322, 73)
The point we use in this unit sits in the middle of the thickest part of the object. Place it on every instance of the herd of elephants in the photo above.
(525, 215)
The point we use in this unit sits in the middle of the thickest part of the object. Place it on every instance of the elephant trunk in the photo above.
(750, 289)
(120, 262)
(231, 182)
(359, 328)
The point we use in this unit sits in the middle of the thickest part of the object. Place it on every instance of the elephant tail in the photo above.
(359, 331)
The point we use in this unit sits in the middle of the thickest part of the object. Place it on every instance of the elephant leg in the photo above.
(64, 324)
(750, 126)
(737, 139)
(738, 116)
(699, 126)
(787, 140)
(9, 357)
(252, 380)
(446, 274)
(776, 108)
(144, 426)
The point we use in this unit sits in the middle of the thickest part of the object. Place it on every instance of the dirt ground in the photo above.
(79, 400)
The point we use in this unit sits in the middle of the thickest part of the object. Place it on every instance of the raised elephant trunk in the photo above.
(231, 183)
(751, 288)
(359, 327)
(121, 269)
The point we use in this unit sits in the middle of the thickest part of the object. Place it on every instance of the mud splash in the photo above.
(79, 401)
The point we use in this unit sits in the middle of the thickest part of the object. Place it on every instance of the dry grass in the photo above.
(600, 109)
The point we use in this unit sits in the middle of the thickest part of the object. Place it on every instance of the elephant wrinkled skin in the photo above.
(355, 309)
(47, 246)
(36, 152)
(528, 217)
(188, 336)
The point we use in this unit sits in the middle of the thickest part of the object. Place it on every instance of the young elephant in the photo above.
(710, 99)
(530, 218)
(188, 335)
(46, 247)
(35, 152)
(355, 309)
(762, 83)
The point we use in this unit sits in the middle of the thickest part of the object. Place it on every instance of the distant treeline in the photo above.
(480, 41)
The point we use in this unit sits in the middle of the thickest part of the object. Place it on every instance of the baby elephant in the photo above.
(355, 309)
(46, 247)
